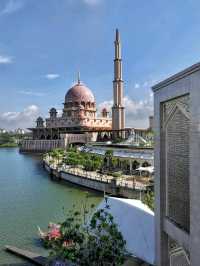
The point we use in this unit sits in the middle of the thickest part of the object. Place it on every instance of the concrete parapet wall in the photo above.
(41, 145)
(129, 193)
(98, 185)
(86, 182)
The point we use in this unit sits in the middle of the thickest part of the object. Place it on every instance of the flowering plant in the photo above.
(87, 243)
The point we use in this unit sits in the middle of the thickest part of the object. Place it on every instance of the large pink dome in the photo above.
(79, 93)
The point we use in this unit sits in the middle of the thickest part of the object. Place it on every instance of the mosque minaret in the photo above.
(118, 110)
(79, 121)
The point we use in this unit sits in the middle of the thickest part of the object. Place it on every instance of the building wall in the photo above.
(41, 145)
(84, 122)
(47, 145)
(177, 154)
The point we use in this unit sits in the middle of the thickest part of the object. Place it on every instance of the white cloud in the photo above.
(137, 112)
(137, 86)
(23, 119)
(92, 2)
(146, 84)
(31, 93)
(59, 112)
(52, 76)
(12, 6)
(5, 59)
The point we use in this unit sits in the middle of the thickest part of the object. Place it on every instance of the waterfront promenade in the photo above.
(129, 181)
(128, 186)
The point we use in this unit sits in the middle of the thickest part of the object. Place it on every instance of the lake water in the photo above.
(29, 198)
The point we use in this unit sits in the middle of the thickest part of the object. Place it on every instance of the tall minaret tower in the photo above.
(118, 112)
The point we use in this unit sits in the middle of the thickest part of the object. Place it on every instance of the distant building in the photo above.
(177, 170)
(19, 131)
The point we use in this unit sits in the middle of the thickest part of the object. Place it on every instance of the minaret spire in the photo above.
(78, 77)
(117, 45)
(118, 114)
(117, 36)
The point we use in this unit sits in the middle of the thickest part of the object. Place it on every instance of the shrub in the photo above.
(149, 199)
(116, 174)
(94, 243)
(135, 164)
(146, 164)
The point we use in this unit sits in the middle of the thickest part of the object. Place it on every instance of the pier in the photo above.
(30, 256)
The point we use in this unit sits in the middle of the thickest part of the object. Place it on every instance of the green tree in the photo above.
(146, 164)
(94, 243)
(6, 138)
(149, 199)
(108, 158)
(135, 164)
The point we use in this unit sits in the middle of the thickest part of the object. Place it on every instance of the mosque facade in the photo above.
(79, 114)
(79, 121)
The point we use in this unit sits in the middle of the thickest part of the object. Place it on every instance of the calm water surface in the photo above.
(29, 198)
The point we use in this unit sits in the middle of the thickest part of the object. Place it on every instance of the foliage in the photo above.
(56, 155)
(7, 140)
(8, 145)
(135, 164)
(105, 244)
(92, 162)
(108, 158)
(125, 164)
(114, 174)
(117, 140)
(115, 162)
(149, 199)
(94, 243)
(146, 164)
(73, 157)
(109, 153)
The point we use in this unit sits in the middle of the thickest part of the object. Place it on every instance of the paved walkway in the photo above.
(125, 181)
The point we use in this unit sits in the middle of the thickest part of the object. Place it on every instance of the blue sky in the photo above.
(44, 43)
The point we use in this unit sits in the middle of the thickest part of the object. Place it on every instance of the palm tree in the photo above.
(108, 157)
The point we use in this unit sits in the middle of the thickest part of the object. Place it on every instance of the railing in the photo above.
(85, 174)
(131, 184)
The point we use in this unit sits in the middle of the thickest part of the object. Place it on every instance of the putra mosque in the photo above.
(79, 122)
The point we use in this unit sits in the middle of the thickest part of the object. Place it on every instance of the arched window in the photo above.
(55, 136)
(42, 136)
(48, 137)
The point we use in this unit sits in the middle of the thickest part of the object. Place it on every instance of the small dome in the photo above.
(79, 93)
(53, 110)
(40, 119)
(104, 110)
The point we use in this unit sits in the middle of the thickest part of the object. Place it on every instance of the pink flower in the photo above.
(54, 233)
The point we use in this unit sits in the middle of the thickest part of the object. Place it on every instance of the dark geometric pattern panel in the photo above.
(177, 125)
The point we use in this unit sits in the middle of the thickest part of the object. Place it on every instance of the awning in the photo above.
(149, 169)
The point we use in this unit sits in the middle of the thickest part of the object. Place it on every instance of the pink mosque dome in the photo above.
(79, 93)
